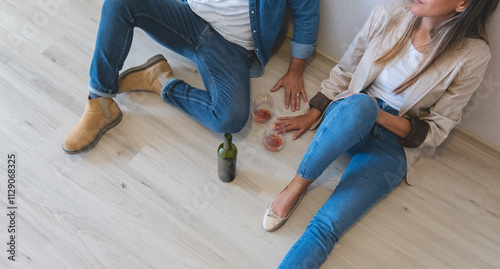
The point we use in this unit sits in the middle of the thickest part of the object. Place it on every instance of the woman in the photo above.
(397, 92)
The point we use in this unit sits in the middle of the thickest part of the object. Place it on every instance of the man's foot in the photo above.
(100, 115)
(150, 76)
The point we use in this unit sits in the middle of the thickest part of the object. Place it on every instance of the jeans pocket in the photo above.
(376, 131)
(380, 133)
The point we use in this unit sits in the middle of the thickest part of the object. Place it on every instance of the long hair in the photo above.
(446, 37)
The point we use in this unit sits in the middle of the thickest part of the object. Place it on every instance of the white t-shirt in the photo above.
(393, 74)
(230, 18)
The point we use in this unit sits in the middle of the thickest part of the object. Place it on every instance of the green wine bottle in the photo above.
(226, 159)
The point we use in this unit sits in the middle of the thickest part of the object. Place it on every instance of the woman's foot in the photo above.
(285, 201)
(284, 204)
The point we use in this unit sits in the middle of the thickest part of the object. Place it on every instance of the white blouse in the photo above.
(393, 74)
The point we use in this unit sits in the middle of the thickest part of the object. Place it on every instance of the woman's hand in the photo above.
(396, 124)
(301, 123)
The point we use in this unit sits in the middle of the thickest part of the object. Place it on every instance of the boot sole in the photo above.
(94, 142)
(141, 67)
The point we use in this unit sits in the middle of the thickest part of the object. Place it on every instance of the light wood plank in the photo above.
(148, 195)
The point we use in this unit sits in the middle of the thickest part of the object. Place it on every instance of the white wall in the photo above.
(341, 20)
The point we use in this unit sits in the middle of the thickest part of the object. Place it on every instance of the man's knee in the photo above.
(117, 5)
(232, 121)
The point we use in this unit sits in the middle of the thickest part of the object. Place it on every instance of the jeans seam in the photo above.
(294, 247)
(165, 26)
(123, 55)
(168, 85)
(327, 124)
(198, 45)
(172, 84)
(213, 93)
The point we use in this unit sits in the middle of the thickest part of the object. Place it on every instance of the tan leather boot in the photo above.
(149, 76)
(100, 115)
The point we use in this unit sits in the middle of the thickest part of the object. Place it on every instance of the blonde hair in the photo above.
(446, 37)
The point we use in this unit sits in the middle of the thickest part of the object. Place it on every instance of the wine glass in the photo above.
(262, 108)
(274, 136)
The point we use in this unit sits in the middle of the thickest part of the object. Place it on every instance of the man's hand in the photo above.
(293, 83)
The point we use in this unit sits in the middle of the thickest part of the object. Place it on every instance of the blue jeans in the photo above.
(224, 66)
(377, 166)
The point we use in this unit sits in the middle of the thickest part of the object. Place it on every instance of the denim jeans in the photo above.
(223, 66)
(377, 166)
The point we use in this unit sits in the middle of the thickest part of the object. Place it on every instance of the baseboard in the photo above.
(325, 58)
(477, 141)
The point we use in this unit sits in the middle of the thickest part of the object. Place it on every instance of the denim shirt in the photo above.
(266, 19)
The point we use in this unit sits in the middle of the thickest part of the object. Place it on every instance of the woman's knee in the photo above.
(357, 114)
(365, 102)
(322, 240)
(322, 228)
(357, 106)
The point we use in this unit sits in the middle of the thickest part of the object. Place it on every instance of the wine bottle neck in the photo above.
(227, 141)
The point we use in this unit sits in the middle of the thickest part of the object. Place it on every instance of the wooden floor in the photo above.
(148, 195)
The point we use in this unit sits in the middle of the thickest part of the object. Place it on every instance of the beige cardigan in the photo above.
(438, 98)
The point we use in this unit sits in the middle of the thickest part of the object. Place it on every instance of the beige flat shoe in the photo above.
(273, 222)
(100, 115)
(149, 76)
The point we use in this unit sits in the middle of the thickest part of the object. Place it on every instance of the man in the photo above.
(230, 41)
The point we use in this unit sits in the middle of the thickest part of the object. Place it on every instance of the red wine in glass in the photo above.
(262, 115)
(272, 142)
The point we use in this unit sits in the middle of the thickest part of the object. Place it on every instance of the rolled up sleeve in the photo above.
(417, 135)
(302, 51)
